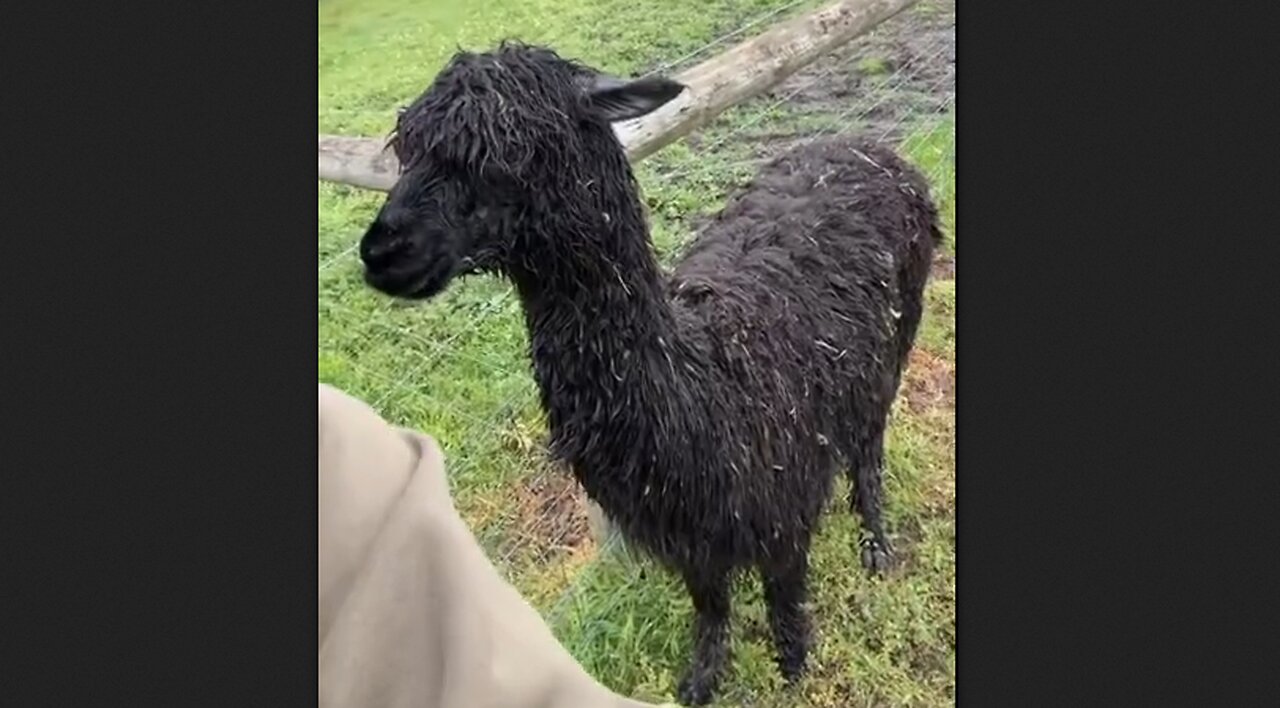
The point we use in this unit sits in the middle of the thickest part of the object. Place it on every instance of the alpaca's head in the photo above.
(506, 153)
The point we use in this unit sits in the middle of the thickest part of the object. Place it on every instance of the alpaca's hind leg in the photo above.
(785, 582)
(710, 592)
(868, 495)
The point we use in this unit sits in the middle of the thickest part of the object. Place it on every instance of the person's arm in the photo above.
(412, 613)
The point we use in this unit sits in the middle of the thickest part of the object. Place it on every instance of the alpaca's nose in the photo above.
(385, 241)
(379, 252)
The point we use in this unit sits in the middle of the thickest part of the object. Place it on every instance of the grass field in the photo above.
(456, 367)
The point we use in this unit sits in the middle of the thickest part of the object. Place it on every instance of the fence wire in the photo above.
(896, 85)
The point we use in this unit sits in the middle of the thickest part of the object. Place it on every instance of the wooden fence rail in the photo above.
(715, 85)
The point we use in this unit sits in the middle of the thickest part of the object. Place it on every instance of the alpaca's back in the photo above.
(832, 199)
(809, 286)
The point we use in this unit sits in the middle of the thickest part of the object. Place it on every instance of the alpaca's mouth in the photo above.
(416, 282)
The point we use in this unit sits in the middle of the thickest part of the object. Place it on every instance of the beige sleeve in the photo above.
(411, 611)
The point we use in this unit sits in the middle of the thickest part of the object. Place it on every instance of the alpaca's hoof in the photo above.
(877, 557)
(792, 669)
(696, 689)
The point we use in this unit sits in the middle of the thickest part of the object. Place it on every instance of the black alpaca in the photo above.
(707, 412)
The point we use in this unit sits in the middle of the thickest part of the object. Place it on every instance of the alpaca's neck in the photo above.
(591, 281)
(598, 304)
(602, 334)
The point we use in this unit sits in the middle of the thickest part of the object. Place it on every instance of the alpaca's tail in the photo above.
(913, 220)
(915, 263)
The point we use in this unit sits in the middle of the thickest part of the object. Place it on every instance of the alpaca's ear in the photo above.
(618, 99)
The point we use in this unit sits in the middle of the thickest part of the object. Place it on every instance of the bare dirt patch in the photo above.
(554, 508)
(929, 394)
(550, 517)
(929, 383)
(944, 267)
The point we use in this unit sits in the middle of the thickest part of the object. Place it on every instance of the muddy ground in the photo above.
(880, 84)
(908, 64)
(894, 81)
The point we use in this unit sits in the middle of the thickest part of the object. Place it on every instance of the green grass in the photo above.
(456, 367)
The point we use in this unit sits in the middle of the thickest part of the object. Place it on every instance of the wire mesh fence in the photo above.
(456, 367)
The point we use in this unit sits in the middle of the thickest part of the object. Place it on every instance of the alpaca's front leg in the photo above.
(710, 593)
